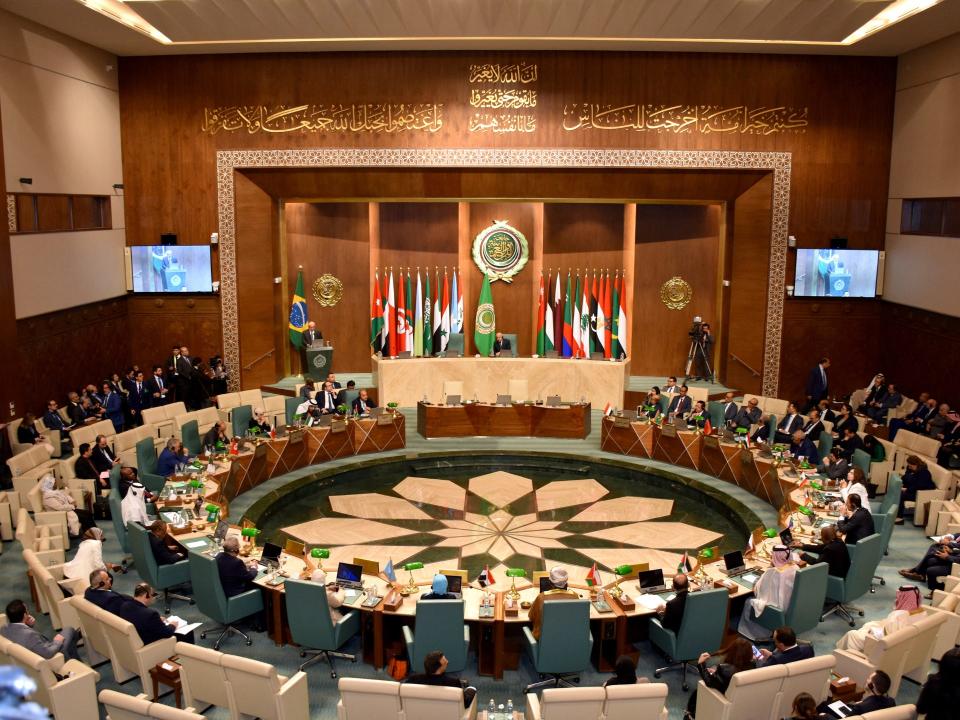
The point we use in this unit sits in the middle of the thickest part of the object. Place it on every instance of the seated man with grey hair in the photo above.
(172, 459)
(558, 578)
(236, 576)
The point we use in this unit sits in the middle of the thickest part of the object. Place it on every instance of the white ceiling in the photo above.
(219, 26)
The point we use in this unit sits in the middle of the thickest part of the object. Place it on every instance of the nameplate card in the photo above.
(385, 419)
(669, 431)
(711, 441)
(338, 426)
(392, 601)
(621, 422)
(295, 437)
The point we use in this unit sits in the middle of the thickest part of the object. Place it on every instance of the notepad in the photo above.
(195, 544)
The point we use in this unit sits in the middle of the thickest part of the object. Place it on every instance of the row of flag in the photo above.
(585, 317)
(402, 320)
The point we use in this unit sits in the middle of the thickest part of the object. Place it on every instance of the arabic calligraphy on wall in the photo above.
(495, 103)
(704, 119)
(523, 73)
(374, 118)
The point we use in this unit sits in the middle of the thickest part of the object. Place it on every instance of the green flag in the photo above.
(615, 321)
(298, 313)
(486, 324)
(427, 324)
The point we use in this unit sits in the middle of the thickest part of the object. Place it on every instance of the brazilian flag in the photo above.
(298, 313)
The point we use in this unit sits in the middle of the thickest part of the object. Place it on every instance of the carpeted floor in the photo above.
(907, 545)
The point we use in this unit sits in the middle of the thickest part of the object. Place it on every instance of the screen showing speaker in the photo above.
(171, 268)
(829, 272)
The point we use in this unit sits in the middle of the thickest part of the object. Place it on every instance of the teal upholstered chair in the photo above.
(806, 603)
(563, 649)
(883, 524)
(115, 478)
(290, 406)
(147, 465)
(862, 460)
(512, 352)
(190, 435)
(664, 403)
(213, 602)
(772, 429)
(825, 444)
(892, 496)
(116, 517)
(439, 626)
(349, 396)
(701, 630)
(311, 627)
(240, 416)
(455, 345)
(715, 410)
(841, 592)
(160, 577)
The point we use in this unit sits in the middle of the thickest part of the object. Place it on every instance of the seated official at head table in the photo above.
(500, 344)
(259, 422)
(363, 404)
(558, 578)
(698, 416)
(680, 404)
(438, 589)
(326, 399)
(748, 415)
(730, 411)
(802, 446)
(671, 614)
(216, 435)
(856, 523)
(831, 550)
(173, 458)
(236, 576)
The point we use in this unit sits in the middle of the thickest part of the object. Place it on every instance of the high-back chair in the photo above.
(512, 352)
(71, 696)
(362, 699)
(147, 465)
(214, 603)
(311, 626)
(891, 498)
(432, 702)
(841, 592)
(290, 406)
(806, 602)
(751, 695)
(861, 459)
(563, 649)
(455, 345)
(47, 541)
(119, 527)
(825, 444)
(120, 706)
(52, 599)
(701, 630)
(946, 604)
(257, 690)
(95, 644)
(518, 389)
(585, 703)
(190, 436)
(883, 524)
(129, 656)
(160, 577)
(889, 654)
(452, 387)
(916, 666)
(810, 676)
(439, 626)
(202, 677)
(240, 420)
(630, 702)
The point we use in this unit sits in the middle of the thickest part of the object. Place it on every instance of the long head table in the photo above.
(513, 420)
(410, 380)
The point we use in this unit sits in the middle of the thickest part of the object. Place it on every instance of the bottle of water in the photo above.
(510, 709)
(492, 710)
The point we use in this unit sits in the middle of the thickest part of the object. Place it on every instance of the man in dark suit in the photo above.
(748, 415)
(147, 621)
(833, 466)
(813, 427)
(937, 562)
(681, 403)
(926, 407)
(857, 522)
(342, 395)
(435, 673)
(500, 344)
(730, 411)
(158, 389)
(138, 398)
(362, 405)
(75, 410)
(831, 551)
(786, 649)
(326, 400)
(802, 446)
(103, 457)
(874, 697)
(671, 616)
(848, 443)
(20, 630)
(162, 552)
(817, 386)
(236, 576)
(311, 335)
(332, 379)
(84, 468)
(101, 592)
(53, 421)
(790, 423)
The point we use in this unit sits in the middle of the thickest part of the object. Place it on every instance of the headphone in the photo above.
(109, 575)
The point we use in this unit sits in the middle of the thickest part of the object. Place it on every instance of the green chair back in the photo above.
(116, 517)
(146, 456)
(349, 396)
(241, 419)
(703, 624)
(864, 558)
(512, 352)
(190, 435)
(160, 577)
(308, 615)
(115, 478)
(806, 603)
(892, 497)
(825, 445)
(715, 410)
(772, 428)
(455, 344)
(862, 460)
(565, 639)
(209, 596)
(664, 403)
(887, 522)
(290, 406)
(439, 626)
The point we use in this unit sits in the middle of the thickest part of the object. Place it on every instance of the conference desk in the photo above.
(570, 420)
(408, 381)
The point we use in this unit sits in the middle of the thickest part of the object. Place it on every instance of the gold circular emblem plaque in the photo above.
(327, 290)
(676, 293)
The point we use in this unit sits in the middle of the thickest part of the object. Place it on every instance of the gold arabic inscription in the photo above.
(704, 119)
(374, 117)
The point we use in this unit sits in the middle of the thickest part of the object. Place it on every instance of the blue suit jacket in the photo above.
(816, 387)
(797, 652)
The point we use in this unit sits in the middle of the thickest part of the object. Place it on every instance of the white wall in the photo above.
(61, 127)
(925, 162)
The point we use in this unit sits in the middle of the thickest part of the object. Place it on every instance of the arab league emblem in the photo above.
(500, 251)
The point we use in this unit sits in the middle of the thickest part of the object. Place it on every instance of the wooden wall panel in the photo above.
(260, 303)
(672, 240)
(157, 323)
(67, 349)
(11, 389)
(419, 235)
(745, 301)
(511, 301)
(583, 235)
(334, 238)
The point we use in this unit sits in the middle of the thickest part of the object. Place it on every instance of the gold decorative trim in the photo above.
(327, 290)
(11, 213)
(676, 293)
(779, 163)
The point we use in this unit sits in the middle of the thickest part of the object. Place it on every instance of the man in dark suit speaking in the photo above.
(817, 386)
(500, 344)
(787, 650)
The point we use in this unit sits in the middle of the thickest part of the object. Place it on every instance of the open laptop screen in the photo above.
(733, 560)
(454, 584)
(650, 579)
(349, 573)
(271, 552)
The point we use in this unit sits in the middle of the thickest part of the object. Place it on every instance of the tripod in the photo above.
(697, 353)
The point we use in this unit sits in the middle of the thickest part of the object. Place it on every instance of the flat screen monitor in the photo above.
(271, 552)
(733, 560)
(171, 268)
(651, 579)
(349, 573)
(826, 272)
(454, 584)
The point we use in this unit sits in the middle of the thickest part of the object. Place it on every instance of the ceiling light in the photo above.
(890, 15)
(119, 12)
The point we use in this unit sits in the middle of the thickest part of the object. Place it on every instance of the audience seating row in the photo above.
(17, 447)
(49, 581)
(45, 534)
(643, 701)
(361, 699)
(120, 706)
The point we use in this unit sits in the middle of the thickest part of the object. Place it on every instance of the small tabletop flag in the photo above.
(389, 572)
(685, 565)
(486, 577)
(593, 577)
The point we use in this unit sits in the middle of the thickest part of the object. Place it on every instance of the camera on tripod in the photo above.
(696, 332)
(698, 357)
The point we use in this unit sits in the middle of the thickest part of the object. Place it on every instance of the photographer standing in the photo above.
(701, 360)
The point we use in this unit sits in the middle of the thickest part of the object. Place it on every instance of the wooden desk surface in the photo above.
(514, 420)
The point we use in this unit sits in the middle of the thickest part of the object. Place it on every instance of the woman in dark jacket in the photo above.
(940, 695)
(624, 672)
(737, 658)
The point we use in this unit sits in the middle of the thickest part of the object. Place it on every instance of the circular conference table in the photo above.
(497, 640)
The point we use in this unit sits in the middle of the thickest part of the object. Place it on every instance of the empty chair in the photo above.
(946, 604)
(864, 558)
(574, 703)
(916, 666)
(256, 690)
(47, 541)
(160, 577)
(203, 679)
(240, 420)
(455, 345)
(67, 698)
(810, 676)
(52, 599)
(439, 626)
(147, 465)
(751, 695)
(563, 649)
(432, 702)
(643, 701)
(119, 526)
(214, 603)
(311, 626)
(806, 602)
(362, 699)
(120, 706)
(129, 657)
(190, 436)
(701, 630)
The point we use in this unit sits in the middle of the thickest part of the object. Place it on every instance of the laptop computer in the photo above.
(733, 564)
(680, 423)
(455, 585)
(270, 556)
(553, 401)
(349, 576)
(220, 533)
(503, 399)
(651, 581)
(786, 537)
(453, 399)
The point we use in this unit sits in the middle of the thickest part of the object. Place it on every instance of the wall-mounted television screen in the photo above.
(825, 272)
(171, 268)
